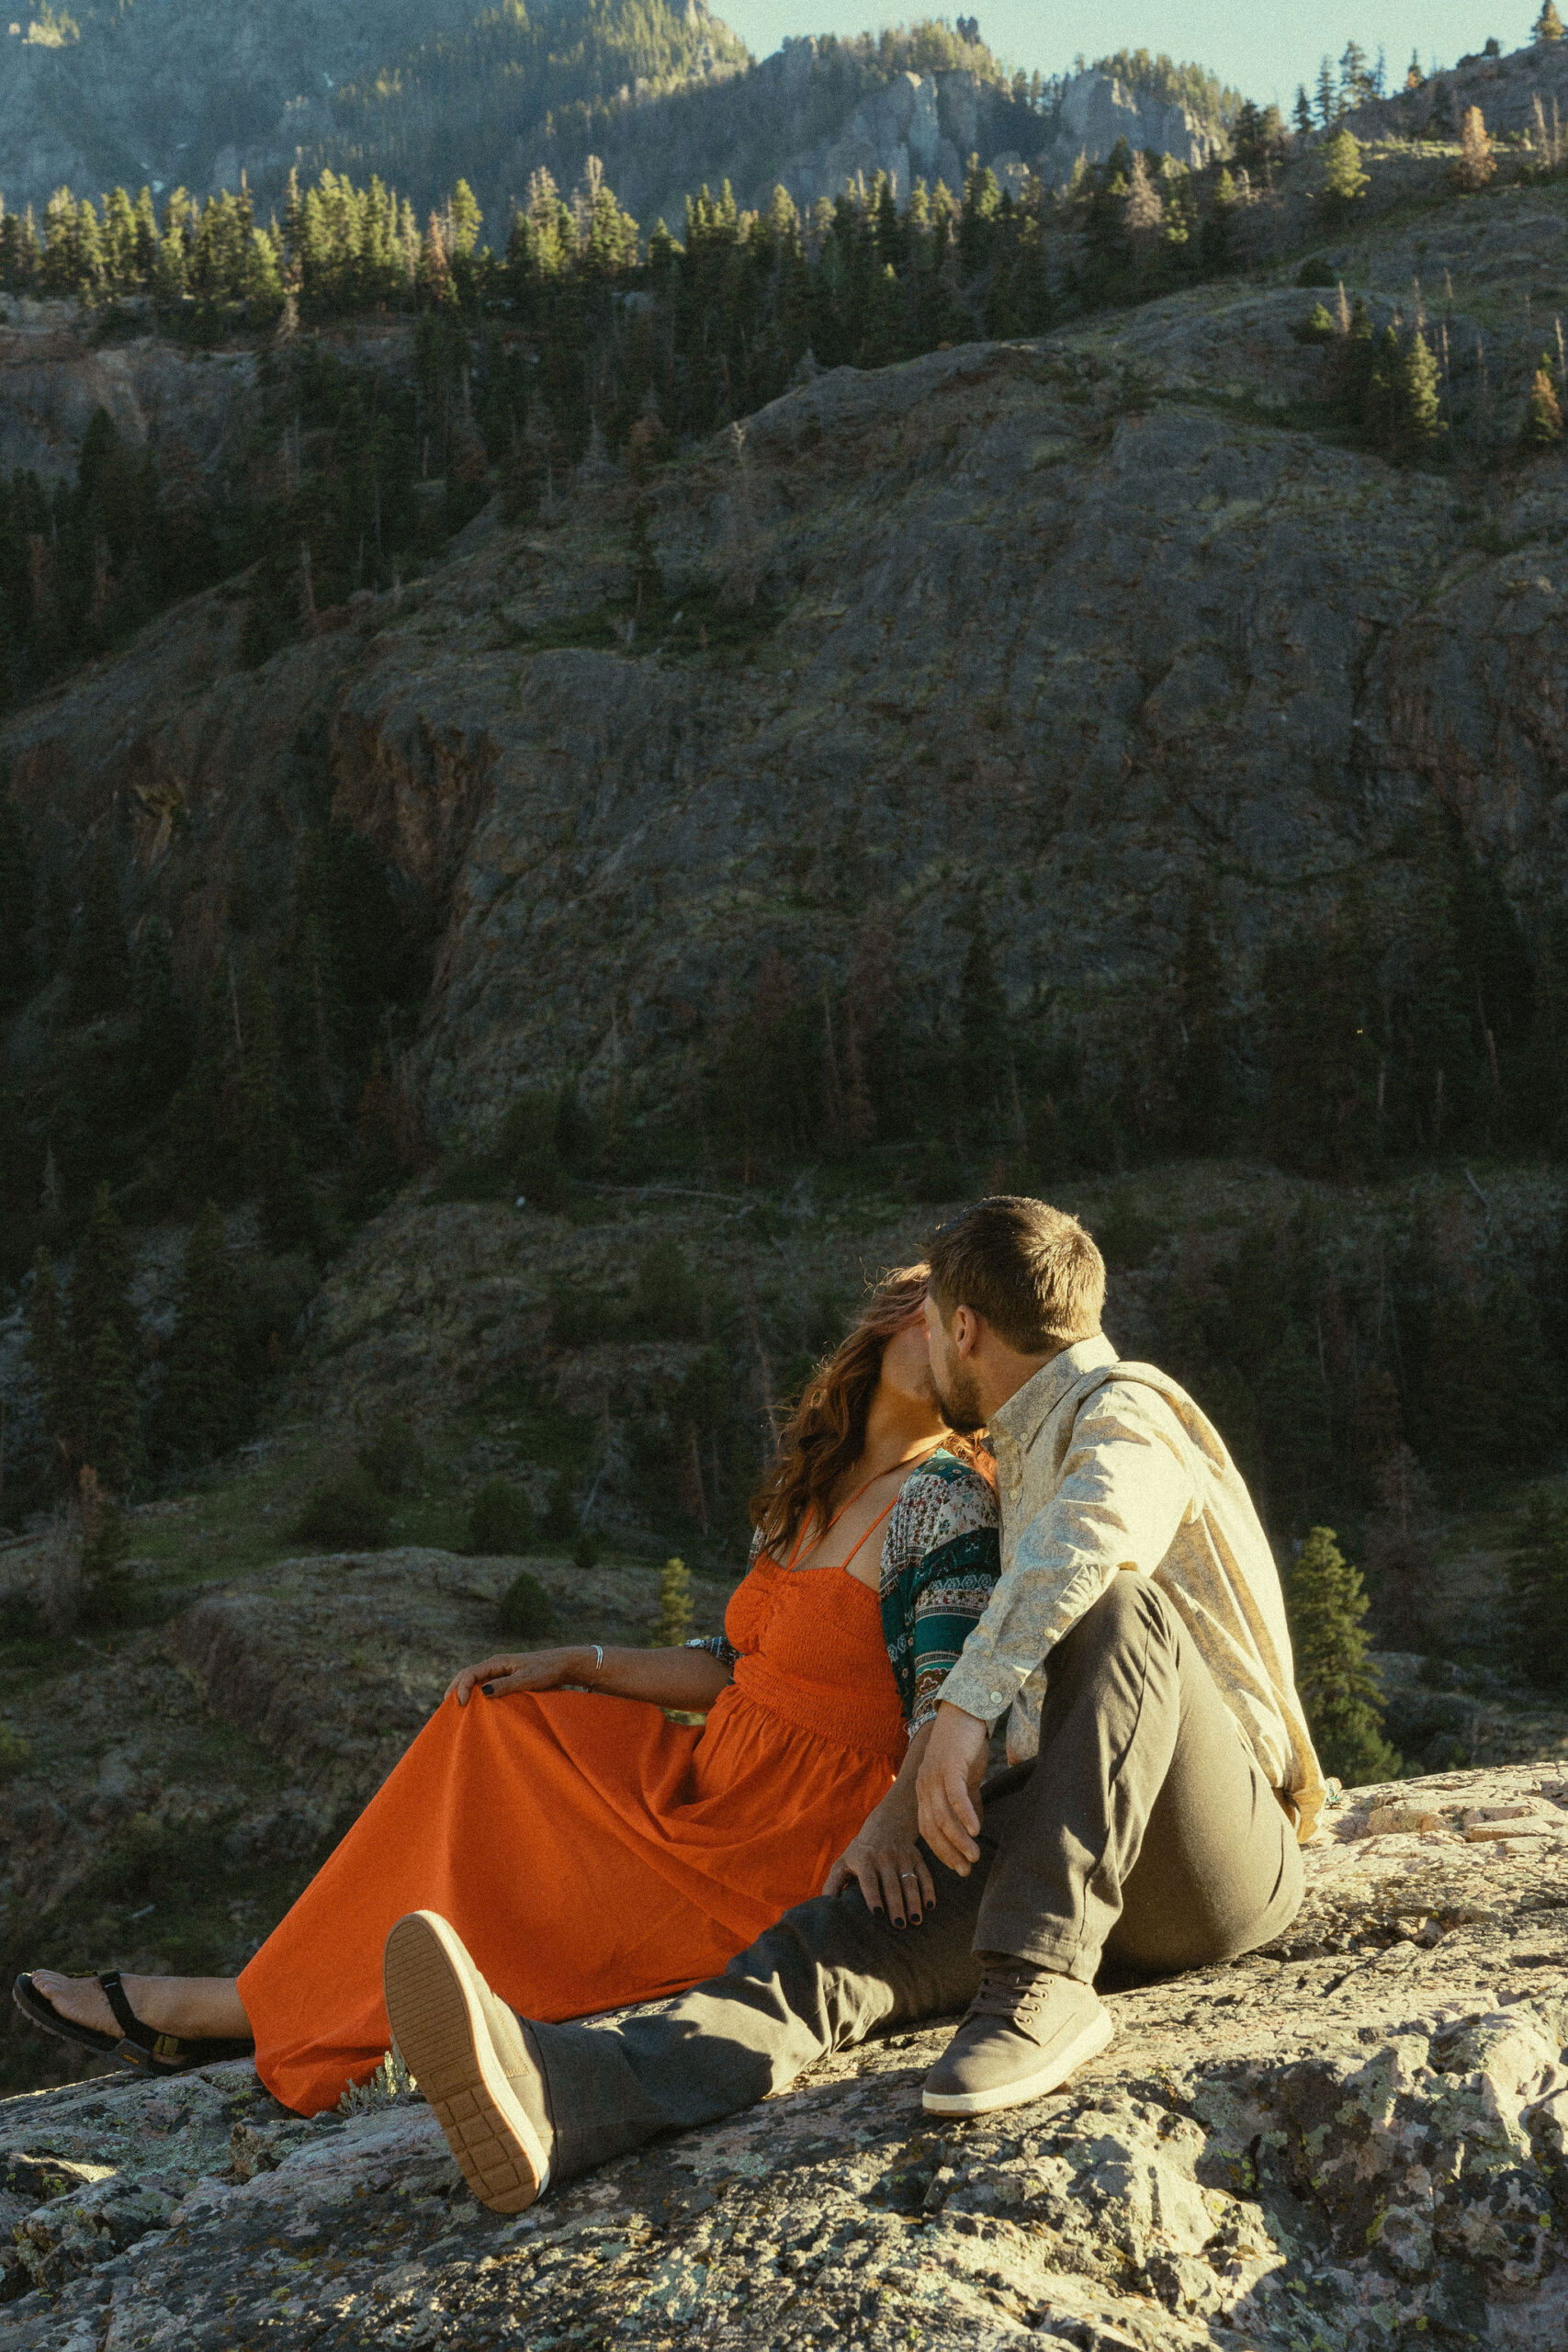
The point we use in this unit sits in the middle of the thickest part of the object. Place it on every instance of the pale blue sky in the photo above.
(1264, 50)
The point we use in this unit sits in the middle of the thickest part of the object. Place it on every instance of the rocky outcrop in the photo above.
(1096, 108)
(1505, 88)
(927, 127)
(1360, 2133)
(54, 373)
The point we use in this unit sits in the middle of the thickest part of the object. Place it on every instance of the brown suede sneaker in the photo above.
(1026, 2031)
(474, 2061)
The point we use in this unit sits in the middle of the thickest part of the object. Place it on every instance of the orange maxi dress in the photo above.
(589, 1851)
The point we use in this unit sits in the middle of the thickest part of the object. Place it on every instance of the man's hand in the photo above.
(949, 1787)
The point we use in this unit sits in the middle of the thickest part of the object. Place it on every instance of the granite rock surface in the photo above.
(1359, 2135)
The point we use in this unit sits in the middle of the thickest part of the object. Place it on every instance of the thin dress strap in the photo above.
(800, 1540)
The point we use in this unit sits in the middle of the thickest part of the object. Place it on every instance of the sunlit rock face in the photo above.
(1364, 2128)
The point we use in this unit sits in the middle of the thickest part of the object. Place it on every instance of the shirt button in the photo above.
(995, 1697)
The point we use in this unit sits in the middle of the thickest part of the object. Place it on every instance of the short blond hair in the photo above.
(1031, 1270)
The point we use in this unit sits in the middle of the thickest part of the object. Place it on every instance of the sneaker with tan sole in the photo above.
(1028, 2028)
(474, 2061)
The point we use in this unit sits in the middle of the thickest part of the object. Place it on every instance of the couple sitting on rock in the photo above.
(825, 1857)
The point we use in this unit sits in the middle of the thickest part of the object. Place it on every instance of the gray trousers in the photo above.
(1143, 1838)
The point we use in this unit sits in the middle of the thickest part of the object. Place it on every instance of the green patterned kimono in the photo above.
(940, 1559)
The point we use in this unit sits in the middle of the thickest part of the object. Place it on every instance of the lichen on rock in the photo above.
(1358, 2136)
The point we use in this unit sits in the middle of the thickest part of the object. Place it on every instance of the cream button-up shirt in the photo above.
(1102, 1466)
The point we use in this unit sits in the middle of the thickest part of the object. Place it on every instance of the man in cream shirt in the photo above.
(1160, 1774)
(1136, 1643)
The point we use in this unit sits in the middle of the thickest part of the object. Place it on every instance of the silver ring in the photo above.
(908, 1873)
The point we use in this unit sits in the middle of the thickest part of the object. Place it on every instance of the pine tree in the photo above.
(1547, 25)
(16, 892)
(100, 962)
(1543, 427)
(1419, 395)
(1343, 178)
(1328, 104)
(1355, 77)
(202, 1405)
(1145, 210)
(1477, 165)
(109, 1432)
(1413, 77)
(1302, 113)
(163, 1038)
(1339, 1689)
(100, 1286)
(107, 1591)
(1538, 1588)
(48, 1352)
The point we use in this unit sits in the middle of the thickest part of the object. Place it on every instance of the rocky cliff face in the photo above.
(1360, 2133)
(54, 372)
(928, 126)
(1062, 631)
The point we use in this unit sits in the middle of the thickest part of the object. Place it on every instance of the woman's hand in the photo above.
(887, 1862)
(526, 1670)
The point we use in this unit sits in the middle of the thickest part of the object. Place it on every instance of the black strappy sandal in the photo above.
(138, 2047)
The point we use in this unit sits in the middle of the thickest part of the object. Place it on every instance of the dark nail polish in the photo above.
(488, 1689)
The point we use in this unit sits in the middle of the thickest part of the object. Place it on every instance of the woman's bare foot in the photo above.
(200, 2009)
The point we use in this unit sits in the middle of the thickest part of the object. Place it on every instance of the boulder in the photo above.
(1358, 2135)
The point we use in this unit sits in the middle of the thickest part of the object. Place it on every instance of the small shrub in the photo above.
(346, 1514)
(1316, 327)
(585, 1552)
(108, 1592)
(527, 1150)
(394, 1458)
(560, 1522)
(500, 1520)
(15, 1753)
(526, 1610)
(674, 1605)
(21, 1619)
(1315, 271)
(578, 1318)
(938, 1174)
(666, 1301)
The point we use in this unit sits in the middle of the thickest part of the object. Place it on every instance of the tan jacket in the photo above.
(1103, 1465)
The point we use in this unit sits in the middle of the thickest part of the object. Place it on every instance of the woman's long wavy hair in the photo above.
(825, 1435)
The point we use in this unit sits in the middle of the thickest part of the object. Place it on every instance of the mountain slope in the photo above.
(176, 93)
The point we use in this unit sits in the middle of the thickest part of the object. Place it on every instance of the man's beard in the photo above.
(960, 1401)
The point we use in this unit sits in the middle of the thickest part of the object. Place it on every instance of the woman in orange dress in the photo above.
(590, 1852)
